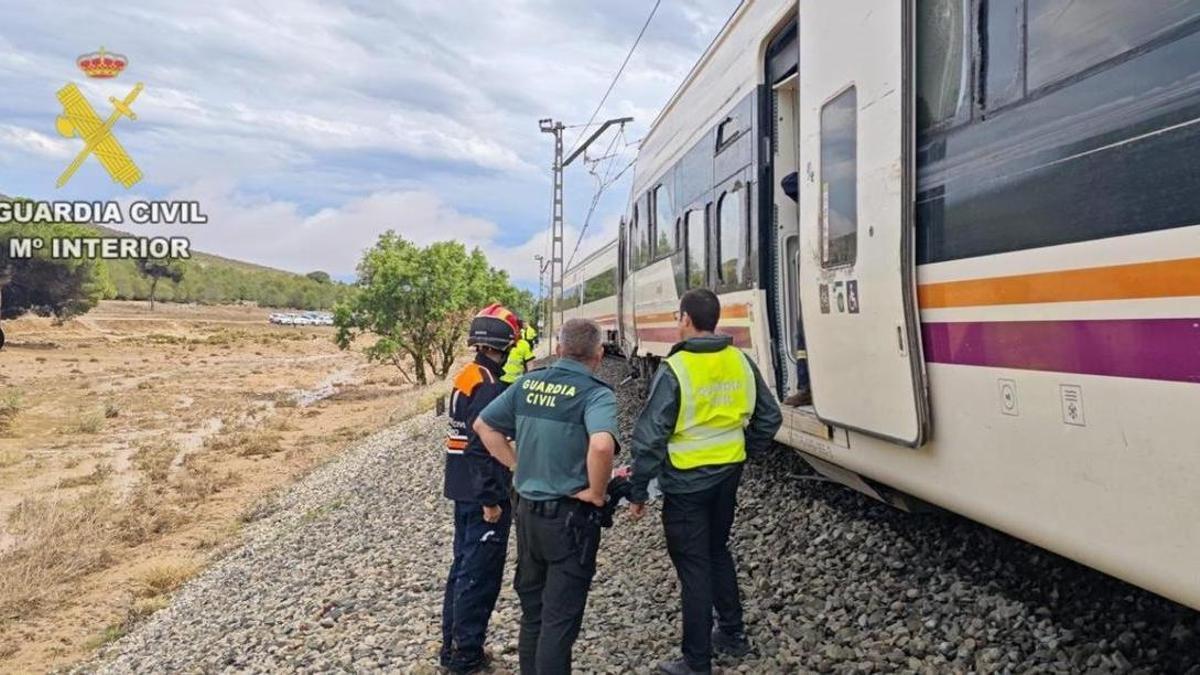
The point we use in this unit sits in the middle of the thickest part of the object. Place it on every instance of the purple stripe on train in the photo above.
(1151, 349)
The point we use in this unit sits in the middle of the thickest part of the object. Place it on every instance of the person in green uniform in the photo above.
(564, 422)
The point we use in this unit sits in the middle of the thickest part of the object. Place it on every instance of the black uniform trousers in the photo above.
(473, 584)
(697, 526)
(556, 560)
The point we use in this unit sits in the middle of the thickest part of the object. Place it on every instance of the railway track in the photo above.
(344, 573)
(835, 581)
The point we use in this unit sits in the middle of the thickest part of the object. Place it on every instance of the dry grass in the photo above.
(12, 458)
(98, 475)
(57, 541)
(10, 407)
(154, 459)
(165, 577)
(247, 443)
(94, 545)
(87, 423)
(200, 480)
(147, 514)
(284, 399)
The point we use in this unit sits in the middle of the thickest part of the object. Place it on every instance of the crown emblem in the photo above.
(102, 64)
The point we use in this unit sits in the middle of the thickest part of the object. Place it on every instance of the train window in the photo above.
(666, 238)
(839, 179)
(943, 81)
(1003, 69)
(728, 131)
(696, 263)
(640, 247)
(1066, 37)
(732, 236)
(569, 299)
(601, 286)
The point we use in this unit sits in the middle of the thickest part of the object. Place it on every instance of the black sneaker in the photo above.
(680, 667)
(736, 644)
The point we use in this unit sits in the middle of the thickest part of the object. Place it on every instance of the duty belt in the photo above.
(550, 508)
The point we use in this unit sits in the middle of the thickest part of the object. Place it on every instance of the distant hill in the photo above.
(212, 279)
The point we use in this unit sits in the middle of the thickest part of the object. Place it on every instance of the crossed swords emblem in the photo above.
(80, 119)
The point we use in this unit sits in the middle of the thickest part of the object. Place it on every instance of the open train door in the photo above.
(857, 176)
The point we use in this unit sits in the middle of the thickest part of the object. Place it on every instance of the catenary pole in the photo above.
(550, 126)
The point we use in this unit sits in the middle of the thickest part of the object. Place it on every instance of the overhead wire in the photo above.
(603, 183)
(616, 77)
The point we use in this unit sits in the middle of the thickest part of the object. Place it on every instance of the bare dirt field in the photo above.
(133, 445)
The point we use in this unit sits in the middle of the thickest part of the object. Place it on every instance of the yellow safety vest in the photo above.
(529, 333)
(514, 367)
(716, 399)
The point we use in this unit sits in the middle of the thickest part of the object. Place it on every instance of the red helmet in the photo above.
(494, 326)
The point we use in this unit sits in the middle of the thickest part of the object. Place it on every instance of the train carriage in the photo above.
(990, 268)
(590, 290)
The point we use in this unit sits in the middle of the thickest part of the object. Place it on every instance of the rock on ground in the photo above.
(344, 573)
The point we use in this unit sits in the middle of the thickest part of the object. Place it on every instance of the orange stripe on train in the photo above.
(730, 312)
(1158, 279)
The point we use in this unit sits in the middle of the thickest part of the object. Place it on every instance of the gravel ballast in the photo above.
(344, 572)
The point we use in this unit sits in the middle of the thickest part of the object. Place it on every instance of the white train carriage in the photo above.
(590, 290)
(991, 269)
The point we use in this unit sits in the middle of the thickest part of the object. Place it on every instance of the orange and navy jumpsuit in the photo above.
(473, 480)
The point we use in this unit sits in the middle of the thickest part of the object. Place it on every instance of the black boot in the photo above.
(736, 644)
(461, 666)
(680, 667)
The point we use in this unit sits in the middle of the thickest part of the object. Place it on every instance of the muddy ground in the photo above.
(133, 444)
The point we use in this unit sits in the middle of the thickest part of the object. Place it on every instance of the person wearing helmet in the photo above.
(478, 485)
(518, 357)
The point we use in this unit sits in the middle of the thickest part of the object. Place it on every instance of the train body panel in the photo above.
(590, 290)
(1056, 265)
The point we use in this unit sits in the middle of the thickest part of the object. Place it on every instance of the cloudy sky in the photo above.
(307, 128)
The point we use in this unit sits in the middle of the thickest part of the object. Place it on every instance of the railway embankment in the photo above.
(344, 573)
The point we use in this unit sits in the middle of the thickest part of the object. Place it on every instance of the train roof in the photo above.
(599, 255)
(728, 70)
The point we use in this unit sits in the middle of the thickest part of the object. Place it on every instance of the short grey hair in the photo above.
(579, 339)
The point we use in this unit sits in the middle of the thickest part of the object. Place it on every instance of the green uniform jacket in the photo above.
(552, 413)
(657, 420)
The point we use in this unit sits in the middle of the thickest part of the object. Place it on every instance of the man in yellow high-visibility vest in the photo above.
(708, 405)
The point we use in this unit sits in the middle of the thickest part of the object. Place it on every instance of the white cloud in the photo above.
(35, 143)
(279, 234)
(306, 127)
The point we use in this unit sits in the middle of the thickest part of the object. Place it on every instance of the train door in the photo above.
(622, 272)
(856, 189)
(787, 231)
(628, 299)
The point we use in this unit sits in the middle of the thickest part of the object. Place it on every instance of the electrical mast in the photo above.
(549, 126)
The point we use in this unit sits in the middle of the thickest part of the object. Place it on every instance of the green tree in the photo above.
(418, 303)
(320, 277)
(157, 269)
(59, 287)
